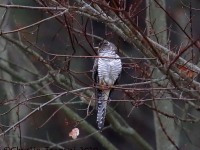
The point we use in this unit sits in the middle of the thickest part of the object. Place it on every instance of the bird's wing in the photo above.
(95, 71)
(95, 80)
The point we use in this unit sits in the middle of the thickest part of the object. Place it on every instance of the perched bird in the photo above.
(106, 71)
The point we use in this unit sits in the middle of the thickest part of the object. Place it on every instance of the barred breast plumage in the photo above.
(109, 69)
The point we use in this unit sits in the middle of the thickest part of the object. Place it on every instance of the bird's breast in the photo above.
(109, 70)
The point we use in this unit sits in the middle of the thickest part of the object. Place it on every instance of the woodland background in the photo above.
(46, 87)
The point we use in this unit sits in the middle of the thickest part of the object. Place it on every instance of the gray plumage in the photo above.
(106, 72)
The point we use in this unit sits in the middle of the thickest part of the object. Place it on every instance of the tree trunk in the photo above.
(164, 127)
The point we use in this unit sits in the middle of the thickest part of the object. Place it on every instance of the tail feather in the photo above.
(102, 97)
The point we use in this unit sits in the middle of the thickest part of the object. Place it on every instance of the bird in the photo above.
(106, 70)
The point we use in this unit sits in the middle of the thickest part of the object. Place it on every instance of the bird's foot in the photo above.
(105, 87)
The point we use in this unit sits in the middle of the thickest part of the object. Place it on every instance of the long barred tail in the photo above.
(102, 99)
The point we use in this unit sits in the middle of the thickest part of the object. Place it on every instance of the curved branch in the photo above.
(124, 129)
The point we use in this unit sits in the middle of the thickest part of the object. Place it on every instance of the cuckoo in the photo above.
(106, 70)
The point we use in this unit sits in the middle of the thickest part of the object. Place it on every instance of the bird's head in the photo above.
(106, 45)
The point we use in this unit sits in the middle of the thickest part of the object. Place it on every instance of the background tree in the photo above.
(47, 52)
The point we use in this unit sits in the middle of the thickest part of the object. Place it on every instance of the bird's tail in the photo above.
(102, 99)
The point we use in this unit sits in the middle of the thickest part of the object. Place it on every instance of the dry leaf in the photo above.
(74, 133)
(189, 73)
